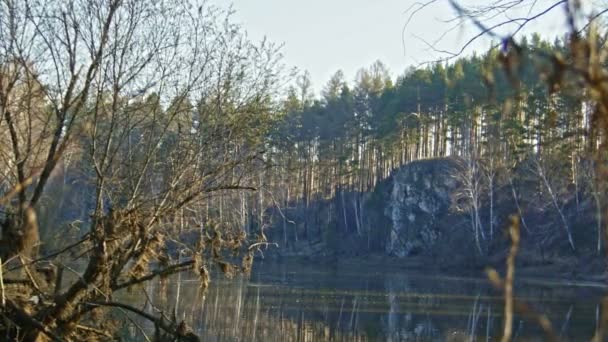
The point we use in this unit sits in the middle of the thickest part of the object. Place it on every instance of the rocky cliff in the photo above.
(420, 197)
(424, 210)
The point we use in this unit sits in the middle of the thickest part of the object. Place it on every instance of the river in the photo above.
(308, 301)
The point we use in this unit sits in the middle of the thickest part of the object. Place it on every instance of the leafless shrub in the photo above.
(161, 105)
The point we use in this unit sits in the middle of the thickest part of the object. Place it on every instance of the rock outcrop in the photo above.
(425, 210)
(420, 196)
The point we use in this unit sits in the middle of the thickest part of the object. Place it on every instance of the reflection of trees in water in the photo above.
(242, 312)
(293, 306)
(429, 308)
(238, 311)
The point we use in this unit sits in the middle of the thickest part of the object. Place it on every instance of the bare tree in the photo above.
(469, 198)
(593, 186)
(163, 104)
(490, 170)
(540, 170)
(501, 20)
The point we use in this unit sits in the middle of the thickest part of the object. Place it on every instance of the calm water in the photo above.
(310, 302)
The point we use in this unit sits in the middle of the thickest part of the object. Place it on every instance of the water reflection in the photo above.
(304, 302)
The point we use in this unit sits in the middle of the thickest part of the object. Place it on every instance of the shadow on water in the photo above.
(303, 302)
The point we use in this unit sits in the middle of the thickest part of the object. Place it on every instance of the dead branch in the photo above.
(524, 309)
(157, 322)
(162, 272)
(21, 318)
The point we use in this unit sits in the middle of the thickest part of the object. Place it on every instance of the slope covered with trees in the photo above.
(143, 138)
(516, 117)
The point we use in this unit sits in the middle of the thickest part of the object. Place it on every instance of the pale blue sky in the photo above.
(322, 36)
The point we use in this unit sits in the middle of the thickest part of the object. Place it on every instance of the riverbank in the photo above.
(565, 271)
(421, 217)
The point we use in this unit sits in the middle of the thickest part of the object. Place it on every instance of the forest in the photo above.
(142, 139)
(513, 107)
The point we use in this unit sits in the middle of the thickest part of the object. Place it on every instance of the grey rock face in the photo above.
(421, 194)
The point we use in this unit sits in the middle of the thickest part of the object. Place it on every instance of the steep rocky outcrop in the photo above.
(420, 197)
(423, 210)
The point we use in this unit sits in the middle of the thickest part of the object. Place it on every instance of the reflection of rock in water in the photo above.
(378, 306)
(393, 324)
(393, 285)
(402, 321)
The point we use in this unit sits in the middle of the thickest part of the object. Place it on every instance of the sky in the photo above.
(323, 36)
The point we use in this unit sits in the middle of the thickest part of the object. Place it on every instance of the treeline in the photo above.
(516, 102)
(498, 111)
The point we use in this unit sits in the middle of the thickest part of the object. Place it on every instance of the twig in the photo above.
(165, 271)
(599, 333)
(592, 19)
(32, 280)
(278, 207)
(2, 284)
(491, 30)
(52, 255)
(158, 322)
(412, 12)
(265, 244)
(82, 280)
(511, 303)
(95, 331)
(58, 280)
(522, 308)
(17, 189)
(141, 330)
(9, 281)
(508, 285)
(21, 315)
